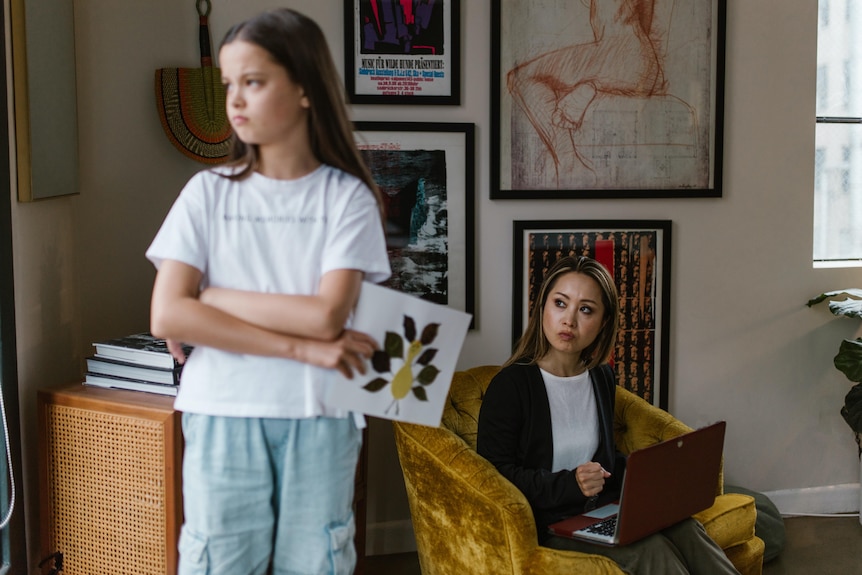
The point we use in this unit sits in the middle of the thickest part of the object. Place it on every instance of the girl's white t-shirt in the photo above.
(271, 236)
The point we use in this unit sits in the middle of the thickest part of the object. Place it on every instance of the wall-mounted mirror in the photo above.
(45, 136)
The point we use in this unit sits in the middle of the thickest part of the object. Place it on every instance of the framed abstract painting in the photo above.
(425, 172)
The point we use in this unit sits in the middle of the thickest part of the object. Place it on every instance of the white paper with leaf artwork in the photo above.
(408, 379)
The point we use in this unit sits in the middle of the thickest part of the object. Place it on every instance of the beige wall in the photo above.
(743, 346)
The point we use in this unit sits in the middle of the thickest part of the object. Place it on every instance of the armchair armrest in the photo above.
(639, 424)
(547, 561)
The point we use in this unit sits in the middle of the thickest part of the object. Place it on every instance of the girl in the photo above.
(259, 266)
(546, 422)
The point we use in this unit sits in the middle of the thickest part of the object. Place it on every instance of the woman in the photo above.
(546, 422)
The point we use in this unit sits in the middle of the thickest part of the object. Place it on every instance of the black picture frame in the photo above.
(576, 115)
(639, 252)
(381, 67)
(435, 260)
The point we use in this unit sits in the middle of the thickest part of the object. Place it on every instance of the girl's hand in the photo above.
(591, 478)
(347, 354)
(176, 350)
(208, 296)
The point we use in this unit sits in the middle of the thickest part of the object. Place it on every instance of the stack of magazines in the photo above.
(138, 362)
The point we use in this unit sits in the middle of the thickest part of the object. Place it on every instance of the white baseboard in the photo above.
(826, 499)
(390, 537)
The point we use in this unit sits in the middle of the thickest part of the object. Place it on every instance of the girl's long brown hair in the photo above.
(296, 42)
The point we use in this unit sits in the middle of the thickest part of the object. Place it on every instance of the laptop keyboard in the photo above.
(606, 527)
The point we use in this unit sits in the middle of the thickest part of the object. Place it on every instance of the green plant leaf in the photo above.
(409, 328)
(394, 345)
(429, 333)
(848, 308)
(420, 394)
(849, 359)
(427, 356)
(375, 384)
(851, 306)
(380, 361)
(852, 410)
(428, 374)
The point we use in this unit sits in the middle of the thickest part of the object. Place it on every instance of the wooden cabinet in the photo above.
(110, 480)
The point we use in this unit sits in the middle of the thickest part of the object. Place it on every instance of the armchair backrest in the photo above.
(461, 411)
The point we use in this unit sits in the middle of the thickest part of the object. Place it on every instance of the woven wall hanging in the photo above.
(191, 102)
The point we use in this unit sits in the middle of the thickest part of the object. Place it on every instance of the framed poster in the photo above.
(607, 98)
(425, 172)
(42, 70)
(637, 253)
(398, 52)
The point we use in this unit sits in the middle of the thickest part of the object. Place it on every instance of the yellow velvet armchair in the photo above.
(468, 519)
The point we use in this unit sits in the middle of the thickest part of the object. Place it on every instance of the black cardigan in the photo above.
(514, 434)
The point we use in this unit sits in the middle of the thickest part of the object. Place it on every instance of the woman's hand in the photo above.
(347, 354)
(591, 478)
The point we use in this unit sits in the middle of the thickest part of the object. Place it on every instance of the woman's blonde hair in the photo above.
(533, 345)
(297, 43)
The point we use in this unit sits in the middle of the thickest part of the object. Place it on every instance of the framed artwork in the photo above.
(398, 52)
(637, 253)
(425, 172)
(42, 71)
(607, 98)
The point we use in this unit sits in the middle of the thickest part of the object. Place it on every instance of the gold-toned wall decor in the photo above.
(43, 76)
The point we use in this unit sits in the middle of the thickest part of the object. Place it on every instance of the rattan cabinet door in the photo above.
(110, 480)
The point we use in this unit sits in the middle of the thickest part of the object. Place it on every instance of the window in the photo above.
(838, 140)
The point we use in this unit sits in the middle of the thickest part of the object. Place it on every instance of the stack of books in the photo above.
(138, 362)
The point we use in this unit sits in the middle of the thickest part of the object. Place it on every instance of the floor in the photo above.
(398, 564)
(815, 546)
(819, 546)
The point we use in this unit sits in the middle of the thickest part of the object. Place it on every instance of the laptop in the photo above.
(663, 484)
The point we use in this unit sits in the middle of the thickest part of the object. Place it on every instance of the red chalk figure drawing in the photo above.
(617, 108)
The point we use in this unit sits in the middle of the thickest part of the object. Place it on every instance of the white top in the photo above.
(271, 236)
(574, 419)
